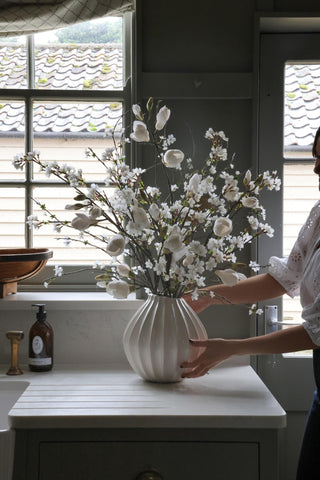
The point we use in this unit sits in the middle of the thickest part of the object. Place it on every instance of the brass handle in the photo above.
(14, 336)
(149, 475)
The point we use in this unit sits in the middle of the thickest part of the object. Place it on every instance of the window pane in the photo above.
(86, 56)
(55, 200)
(63, 132)
(11, 137)
(12, 225)
(13, 62)
(301, 108)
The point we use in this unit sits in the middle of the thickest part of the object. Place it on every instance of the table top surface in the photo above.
(230, 396)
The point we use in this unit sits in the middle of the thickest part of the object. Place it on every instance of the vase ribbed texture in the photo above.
(156, 340)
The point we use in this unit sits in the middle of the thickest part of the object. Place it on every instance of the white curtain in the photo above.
(20, 17)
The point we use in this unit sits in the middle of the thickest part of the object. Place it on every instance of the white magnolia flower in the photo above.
(250, 202)
(118, 289)
(81, 221)
(172, 158)
(174, 242)
(222, 226)
(116, 245)
(140, 132)
(230, 277)
(140, 218)
(154, 211)
(123, 270)
(162, 117)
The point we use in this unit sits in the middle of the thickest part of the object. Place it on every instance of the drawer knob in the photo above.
(149, 475)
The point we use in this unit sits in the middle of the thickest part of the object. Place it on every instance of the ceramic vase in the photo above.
(156, 340)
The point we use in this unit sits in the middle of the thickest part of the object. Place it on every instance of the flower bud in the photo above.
(123, 270)
(81, 221)
(149, 104)
(162, 117)
(247, 178)
(115, 246)
(95, 212)
(140, 218)
(188, 260)
(137, 111)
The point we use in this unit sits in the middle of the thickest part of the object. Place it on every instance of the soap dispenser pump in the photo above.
(41, 342)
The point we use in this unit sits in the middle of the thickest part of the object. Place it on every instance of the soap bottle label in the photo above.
(37, 345)
(40, 361)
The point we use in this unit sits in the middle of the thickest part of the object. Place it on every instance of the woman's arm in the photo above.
(251, 290)
(217, 350)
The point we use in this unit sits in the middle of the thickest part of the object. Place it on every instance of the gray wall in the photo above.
(201, 58)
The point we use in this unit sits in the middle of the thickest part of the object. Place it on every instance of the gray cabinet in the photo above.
(118, 454)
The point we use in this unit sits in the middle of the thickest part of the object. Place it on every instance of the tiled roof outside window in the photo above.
(302, 105)
(68, 67)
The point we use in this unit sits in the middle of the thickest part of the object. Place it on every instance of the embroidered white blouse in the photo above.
(300, 272)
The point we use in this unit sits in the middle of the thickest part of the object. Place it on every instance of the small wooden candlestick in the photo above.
(15, 336)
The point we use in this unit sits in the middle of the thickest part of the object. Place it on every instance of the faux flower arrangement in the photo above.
(178, 238)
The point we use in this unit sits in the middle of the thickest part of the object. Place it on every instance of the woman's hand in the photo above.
(216, 351)
(204, 301)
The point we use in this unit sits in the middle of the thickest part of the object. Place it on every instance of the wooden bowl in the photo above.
(20, 263)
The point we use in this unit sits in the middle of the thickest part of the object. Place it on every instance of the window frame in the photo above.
(30, 95)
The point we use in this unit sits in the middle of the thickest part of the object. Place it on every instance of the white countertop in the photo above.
(231, 396)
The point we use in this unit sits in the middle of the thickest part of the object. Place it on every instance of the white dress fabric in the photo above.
(300, 272)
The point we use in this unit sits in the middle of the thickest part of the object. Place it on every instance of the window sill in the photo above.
(69, 301)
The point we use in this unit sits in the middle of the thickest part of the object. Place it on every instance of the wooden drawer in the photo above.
(125, 460)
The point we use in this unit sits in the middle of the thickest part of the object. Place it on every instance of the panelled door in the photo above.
(289, 114)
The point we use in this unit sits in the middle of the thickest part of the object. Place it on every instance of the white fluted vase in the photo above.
(156, 340)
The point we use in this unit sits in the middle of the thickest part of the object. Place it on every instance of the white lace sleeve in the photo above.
(288, 278)
(311, 316)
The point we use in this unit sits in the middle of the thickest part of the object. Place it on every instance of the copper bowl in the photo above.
(19, 263)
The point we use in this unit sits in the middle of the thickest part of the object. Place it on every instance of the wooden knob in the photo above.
(149, 475)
